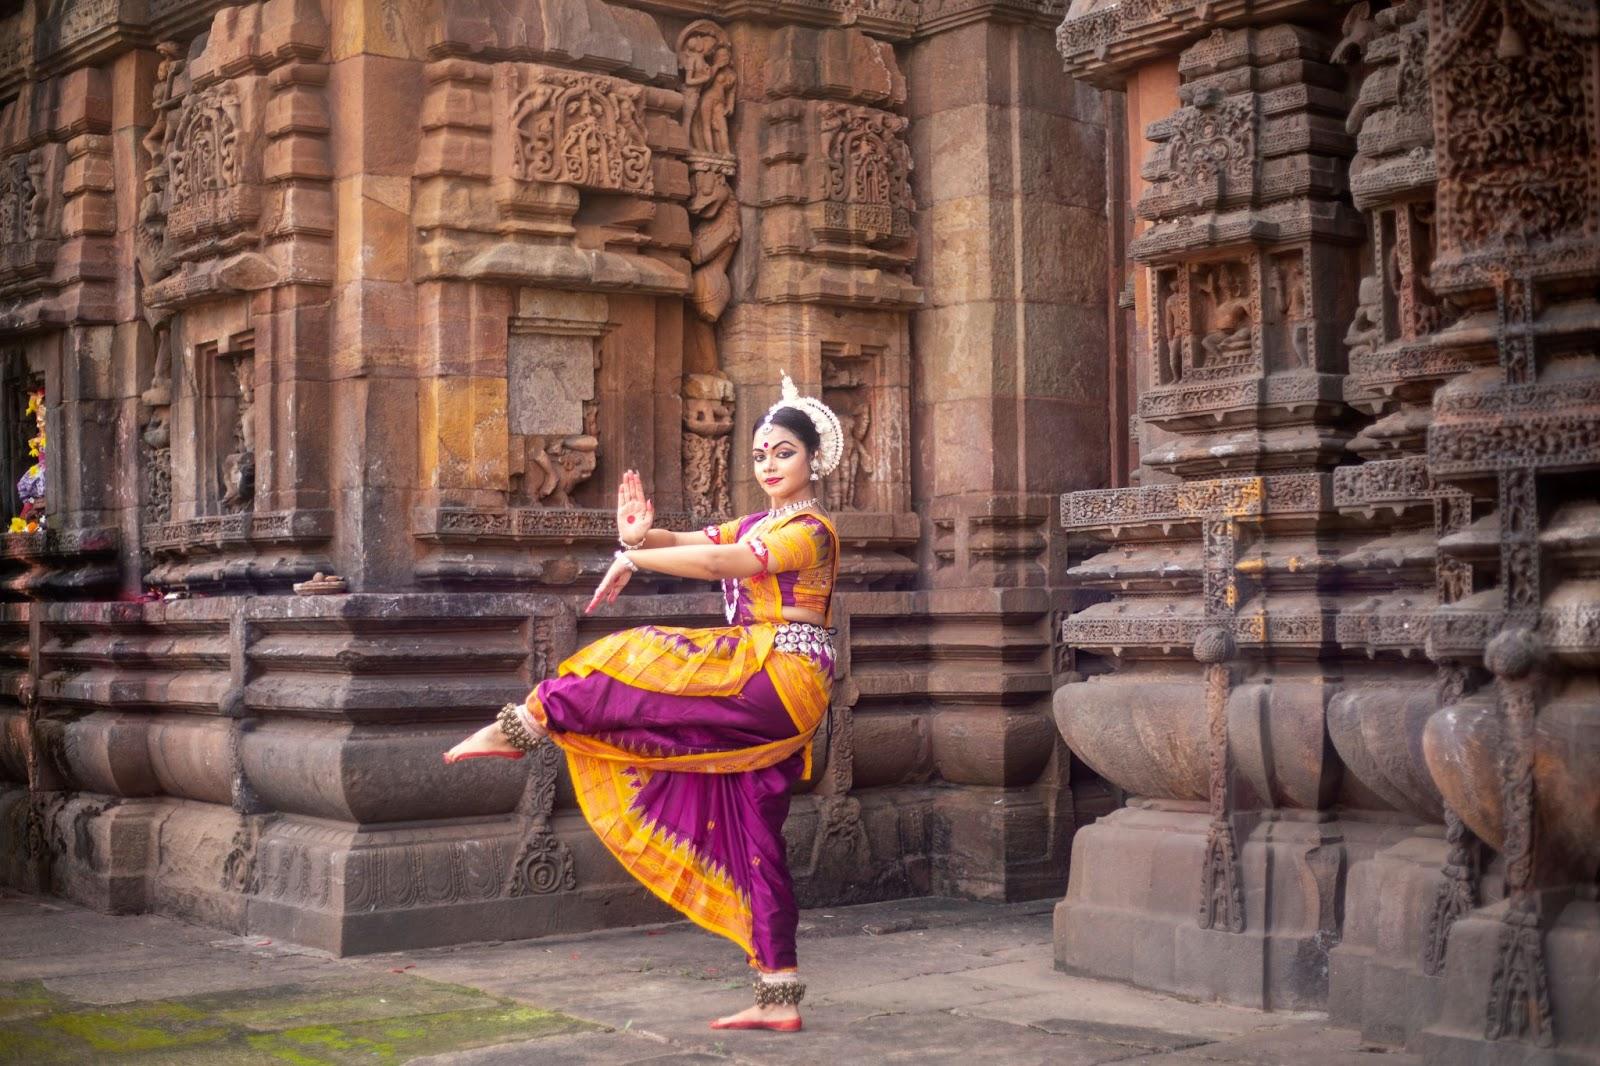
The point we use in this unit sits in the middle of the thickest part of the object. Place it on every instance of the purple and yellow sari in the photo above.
(683, 744)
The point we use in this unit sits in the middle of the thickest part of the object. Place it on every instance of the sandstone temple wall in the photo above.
(1342, 648)
(336, 323)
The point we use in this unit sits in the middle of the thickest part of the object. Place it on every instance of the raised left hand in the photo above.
(611, 585)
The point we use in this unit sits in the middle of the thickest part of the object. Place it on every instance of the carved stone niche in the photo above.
(1243, 364)
(205, 185)
(837, 225)
(576, 170)
(204, 420)
(30, 226)
(849, 386)
(550, 366)
(864, 380)
(855, 183)
(53, 558)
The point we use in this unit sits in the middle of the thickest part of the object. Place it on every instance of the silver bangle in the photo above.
(636, 544)
(629, 563)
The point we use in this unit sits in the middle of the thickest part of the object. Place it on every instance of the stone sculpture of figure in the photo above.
(572, 460)
(707, 443)
(716, 105)
(154, 262)
(1366, 328)
(239, 467)
(716, 233)
(694, 59)
(34, 223)
(1291, 277)
(638, 705)
(1171, 368)
(705, 58)
(846, 484)
(1230, 325)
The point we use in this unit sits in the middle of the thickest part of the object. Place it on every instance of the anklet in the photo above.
(786, 991)
(514, 731)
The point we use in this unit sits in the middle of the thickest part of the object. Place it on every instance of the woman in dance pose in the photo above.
(683, 743)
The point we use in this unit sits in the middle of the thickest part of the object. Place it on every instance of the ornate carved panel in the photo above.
(1516, 119)
(203, 156)
(867, 196)
(576, 129)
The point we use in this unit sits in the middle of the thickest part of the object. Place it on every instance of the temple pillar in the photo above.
(1011, 373)
(1204, 674)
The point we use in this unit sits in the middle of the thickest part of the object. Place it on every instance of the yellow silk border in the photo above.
(671, 869)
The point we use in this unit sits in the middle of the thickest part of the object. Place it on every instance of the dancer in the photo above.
(683, 744)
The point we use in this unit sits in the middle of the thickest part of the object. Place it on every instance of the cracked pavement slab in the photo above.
(924, 981)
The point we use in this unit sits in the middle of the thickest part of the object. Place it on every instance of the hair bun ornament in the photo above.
(831, 447)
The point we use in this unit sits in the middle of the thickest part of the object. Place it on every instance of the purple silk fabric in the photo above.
(732, 820)
(786, 579)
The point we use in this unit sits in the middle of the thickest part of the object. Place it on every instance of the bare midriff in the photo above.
(800, 614)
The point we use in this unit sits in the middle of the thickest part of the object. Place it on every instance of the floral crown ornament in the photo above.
(831, 448)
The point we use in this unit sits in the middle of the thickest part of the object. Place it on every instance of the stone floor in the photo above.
(919, 981)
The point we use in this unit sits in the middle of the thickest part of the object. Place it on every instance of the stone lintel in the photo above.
(1113, 511)
(1104, 45)
(953, 14)
(244, 529)
(532, 525)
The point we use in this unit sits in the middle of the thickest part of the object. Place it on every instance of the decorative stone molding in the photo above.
(1101, 40)
(542, 525)
(836, 194)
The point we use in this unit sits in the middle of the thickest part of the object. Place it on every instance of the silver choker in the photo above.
(790, 508)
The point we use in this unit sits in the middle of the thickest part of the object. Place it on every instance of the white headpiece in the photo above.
(822, 417)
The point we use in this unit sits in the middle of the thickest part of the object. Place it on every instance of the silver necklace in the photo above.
(790, 508)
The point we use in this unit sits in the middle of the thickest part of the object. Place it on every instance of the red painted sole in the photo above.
(449, 759)
(788, 1025)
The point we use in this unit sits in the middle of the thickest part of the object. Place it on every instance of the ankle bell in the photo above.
(788, 992)
(515, 732)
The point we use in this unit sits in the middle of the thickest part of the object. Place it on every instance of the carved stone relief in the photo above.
(239, 463)
(544, 864)
(203, 158)
(577, 129)
(24, 200)
(1515, 126)
(151, 235)
(707, 443)
(716, 234)
(847, 389)
(710, 83)
(868, 191)
(551, 411)
(1226, 315)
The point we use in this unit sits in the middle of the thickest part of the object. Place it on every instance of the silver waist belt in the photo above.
(803, 638)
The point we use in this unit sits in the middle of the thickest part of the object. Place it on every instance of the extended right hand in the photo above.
(635, 513)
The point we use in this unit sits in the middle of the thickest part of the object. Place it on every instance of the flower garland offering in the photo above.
(30, 486)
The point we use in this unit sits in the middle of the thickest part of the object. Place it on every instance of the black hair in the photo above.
(797, 422)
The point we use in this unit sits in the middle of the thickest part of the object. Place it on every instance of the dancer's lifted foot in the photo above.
(493, 740)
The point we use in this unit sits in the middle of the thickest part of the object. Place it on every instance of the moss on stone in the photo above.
(327, 1023)
(335, 1002)
(23, 999)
